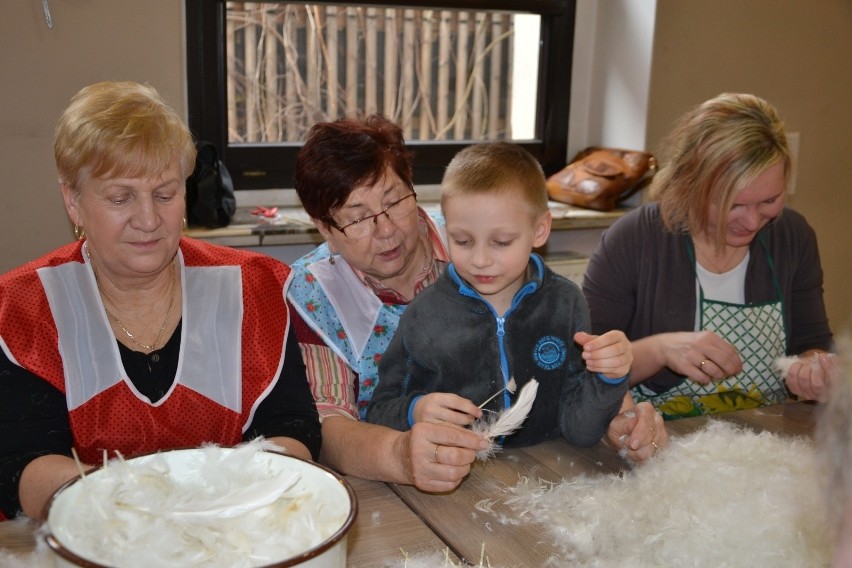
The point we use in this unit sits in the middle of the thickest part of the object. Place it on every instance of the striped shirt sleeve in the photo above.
(333, 383)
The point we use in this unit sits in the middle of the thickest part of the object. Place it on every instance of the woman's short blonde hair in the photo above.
(714, 152)
(496, 167)
(119, 129)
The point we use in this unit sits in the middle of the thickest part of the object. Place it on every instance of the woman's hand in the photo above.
(702, 356)
(609, 353)
(445, 407)
(809, 379)
(638, 432)
(438, 456)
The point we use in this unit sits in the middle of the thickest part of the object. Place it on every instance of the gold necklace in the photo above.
(121, 324)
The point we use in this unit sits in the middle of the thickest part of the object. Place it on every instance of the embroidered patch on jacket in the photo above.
(550, 352)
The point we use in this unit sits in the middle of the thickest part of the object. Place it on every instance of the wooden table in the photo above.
(455, 519)
(394, 518)
(385, 527)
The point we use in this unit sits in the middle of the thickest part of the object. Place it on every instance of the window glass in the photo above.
(260, 74)
(439, 74)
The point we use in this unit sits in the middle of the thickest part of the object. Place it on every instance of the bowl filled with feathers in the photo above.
(246, 506)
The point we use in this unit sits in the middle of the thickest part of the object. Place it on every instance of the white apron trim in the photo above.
(356, 305)
(210, 338)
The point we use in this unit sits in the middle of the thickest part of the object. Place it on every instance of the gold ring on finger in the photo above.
(436, 453)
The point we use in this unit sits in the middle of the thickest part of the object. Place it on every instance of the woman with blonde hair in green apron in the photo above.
(715, 280)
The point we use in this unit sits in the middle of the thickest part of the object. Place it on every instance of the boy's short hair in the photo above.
(496, 167)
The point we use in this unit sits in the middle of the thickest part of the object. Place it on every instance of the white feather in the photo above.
(507, 421)
(511, 386)
(723, 496)
(218, 507)
(783, 364)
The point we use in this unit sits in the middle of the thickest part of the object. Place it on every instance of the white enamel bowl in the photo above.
(325, 494)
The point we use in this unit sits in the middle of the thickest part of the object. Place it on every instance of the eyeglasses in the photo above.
(362, 228)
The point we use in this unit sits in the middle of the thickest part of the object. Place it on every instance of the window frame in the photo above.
(207, 102)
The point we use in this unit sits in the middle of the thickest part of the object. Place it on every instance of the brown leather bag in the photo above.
(599, 178)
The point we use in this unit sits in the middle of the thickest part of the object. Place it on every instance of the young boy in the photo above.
(499, 313)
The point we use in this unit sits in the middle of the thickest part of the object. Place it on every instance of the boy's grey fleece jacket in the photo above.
(450, 340)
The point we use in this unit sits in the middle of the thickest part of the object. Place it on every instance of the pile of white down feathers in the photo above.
(720, 497)
(223, 507)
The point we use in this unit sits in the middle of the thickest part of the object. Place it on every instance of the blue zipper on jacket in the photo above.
(528, 288)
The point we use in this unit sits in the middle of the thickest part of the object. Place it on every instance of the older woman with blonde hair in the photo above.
(714, 280)
(134, 339)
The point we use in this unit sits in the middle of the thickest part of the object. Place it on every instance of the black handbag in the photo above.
(210, 200)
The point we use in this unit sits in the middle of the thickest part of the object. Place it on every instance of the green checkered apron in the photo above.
(758, 333)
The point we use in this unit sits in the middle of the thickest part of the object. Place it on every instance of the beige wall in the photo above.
(795, 54)
(41, 69)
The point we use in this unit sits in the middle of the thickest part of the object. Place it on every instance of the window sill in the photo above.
(293, 226)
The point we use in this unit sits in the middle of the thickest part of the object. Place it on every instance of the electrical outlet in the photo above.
(793, 142)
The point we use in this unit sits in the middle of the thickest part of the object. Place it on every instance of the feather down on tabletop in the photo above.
(721, 496)
(503, 423)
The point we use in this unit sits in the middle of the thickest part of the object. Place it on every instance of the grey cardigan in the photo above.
(641, 280)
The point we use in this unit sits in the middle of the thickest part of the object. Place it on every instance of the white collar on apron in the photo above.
(210, 354)
(354, 302)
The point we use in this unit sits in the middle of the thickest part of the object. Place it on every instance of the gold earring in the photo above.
(79, 232)
(185, 223)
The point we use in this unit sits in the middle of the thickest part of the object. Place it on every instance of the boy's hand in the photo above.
(445, 407)
(609, 353)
